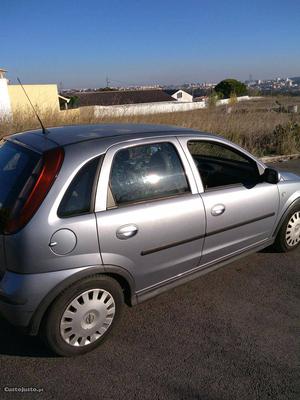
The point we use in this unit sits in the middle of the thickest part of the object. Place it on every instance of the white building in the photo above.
(5, 106)
(182, 96)
(13, 100)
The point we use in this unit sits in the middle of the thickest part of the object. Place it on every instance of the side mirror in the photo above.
(270, 175)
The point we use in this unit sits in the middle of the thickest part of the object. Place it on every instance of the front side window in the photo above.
(78, 197)
(220, 165)
(147, 172)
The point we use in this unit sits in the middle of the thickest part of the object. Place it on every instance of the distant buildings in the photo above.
(46, 97)
(277, 85)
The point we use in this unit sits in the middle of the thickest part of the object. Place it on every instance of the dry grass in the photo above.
(252, 124)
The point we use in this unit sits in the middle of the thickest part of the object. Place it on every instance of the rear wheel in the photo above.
(83, 315)
(288, 237)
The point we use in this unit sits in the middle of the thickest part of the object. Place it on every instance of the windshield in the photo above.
(17, 170)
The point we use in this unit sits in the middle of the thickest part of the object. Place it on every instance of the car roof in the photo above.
(72, 134)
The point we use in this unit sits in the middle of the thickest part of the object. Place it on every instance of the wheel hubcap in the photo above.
(87, 317)
(292, 235)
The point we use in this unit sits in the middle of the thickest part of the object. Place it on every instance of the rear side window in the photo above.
(147, 172)
(19, 169)
(79, 196)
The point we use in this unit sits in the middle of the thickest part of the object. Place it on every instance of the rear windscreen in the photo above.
(19, 167)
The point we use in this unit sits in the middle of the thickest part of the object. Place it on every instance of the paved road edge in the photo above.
(272, 159)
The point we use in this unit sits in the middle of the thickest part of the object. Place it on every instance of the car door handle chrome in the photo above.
(127, 231)
(218, 209)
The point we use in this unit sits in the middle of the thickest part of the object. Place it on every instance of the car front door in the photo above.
(241, 209)
(150, 217)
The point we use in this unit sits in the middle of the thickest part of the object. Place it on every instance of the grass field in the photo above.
(258, 125)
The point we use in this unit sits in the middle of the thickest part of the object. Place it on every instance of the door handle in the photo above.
(127, 231)
(218, 209)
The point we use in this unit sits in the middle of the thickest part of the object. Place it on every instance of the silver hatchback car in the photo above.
(96, 216)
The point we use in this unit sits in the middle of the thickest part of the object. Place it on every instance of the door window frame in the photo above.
(101, 202)
(231, 146)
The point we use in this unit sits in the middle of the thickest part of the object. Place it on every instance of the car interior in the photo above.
(216, 172)
(220, 166)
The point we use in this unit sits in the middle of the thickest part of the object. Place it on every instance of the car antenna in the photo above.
(44, 130)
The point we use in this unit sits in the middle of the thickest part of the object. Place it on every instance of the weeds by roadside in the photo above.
(257, 125)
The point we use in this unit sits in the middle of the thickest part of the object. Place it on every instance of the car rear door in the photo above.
(150, 217)
(241, 209)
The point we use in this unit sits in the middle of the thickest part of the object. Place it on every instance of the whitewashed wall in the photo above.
(5, 106)
(157, 108)
(241, 98)
(146, 108)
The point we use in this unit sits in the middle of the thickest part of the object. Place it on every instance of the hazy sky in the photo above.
(81, 42)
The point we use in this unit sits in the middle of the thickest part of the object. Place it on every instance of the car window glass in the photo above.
(17, 167)
(147, 172)
(77, 199)
(220, 165)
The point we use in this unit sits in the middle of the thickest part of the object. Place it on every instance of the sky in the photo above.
(79, 43)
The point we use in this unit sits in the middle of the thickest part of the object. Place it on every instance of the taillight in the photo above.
(52, 161)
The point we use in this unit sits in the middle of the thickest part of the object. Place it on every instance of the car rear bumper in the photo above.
(21, 294)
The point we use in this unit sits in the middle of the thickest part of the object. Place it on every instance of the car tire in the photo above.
(288, 237)
(82, 316)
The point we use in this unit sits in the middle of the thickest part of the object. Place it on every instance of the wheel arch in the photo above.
(123, 277)
(284, 215)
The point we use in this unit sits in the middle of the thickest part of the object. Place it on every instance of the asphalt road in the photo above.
(291, 165)
(232, 334)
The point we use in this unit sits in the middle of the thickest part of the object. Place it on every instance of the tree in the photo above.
(229, 87)
(73, 103)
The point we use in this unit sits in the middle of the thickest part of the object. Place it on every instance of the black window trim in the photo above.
(95, 183)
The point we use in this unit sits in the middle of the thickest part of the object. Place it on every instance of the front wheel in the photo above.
(288, 237)
(83, 315)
